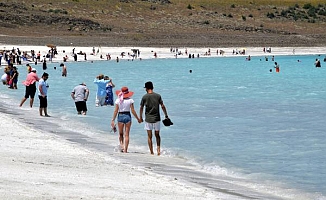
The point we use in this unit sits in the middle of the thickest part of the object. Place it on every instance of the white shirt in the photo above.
(4, 77)
(44, 86)
(124, 106)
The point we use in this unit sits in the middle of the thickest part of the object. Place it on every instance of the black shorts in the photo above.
(43, 102)
(30, 91)
(81, 106)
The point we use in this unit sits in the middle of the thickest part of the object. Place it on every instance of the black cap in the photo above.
(149, 85)
(167, 122)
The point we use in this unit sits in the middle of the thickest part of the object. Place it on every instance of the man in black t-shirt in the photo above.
(152, 101)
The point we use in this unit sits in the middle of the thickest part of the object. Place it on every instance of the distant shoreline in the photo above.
(115, 53)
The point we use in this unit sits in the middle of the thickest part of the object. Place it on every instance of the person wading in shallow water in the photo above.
(80, 95)
(30, 90)
(317, 63)
(64, 69)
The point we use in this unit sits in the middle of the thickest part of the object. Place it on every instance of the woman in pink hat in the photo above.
(124, 104)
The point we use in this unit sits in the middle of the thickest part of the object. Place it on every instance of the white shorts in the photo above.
(150, 126)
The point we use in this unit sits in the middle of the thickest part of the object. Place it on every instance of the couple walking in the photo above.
(124, 104)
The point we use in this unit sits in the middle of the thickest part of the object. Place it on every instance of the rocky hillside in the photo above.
(164, 22)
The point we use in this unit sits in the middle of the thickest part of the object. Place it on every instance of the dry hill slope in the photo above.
(164, 22)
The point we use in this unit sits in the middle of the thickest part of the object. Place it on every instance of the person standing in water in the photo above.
(44, 64)
(30, 90)
(64, 70)
(277, 67)
(317, 63)
(80, 95)
(101, 90)
(109, 92)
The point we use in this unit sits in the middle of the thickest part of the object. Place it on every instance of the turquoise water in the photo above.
(232, 118)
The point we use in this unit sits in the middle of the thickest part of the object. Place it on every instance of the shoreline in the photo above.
(40, 164)
(101, 53)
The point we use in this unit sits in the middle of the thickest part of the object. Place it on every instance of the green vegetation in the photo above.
(190, 7)
(308, 12)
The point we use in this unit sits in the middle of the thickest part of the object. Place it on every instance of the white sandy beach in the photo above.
(162, 53)
(41, 165)
(36, 165)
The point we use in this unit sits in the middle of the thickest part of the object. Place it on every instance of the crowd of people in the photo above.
(10, 76)
(123, 103)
